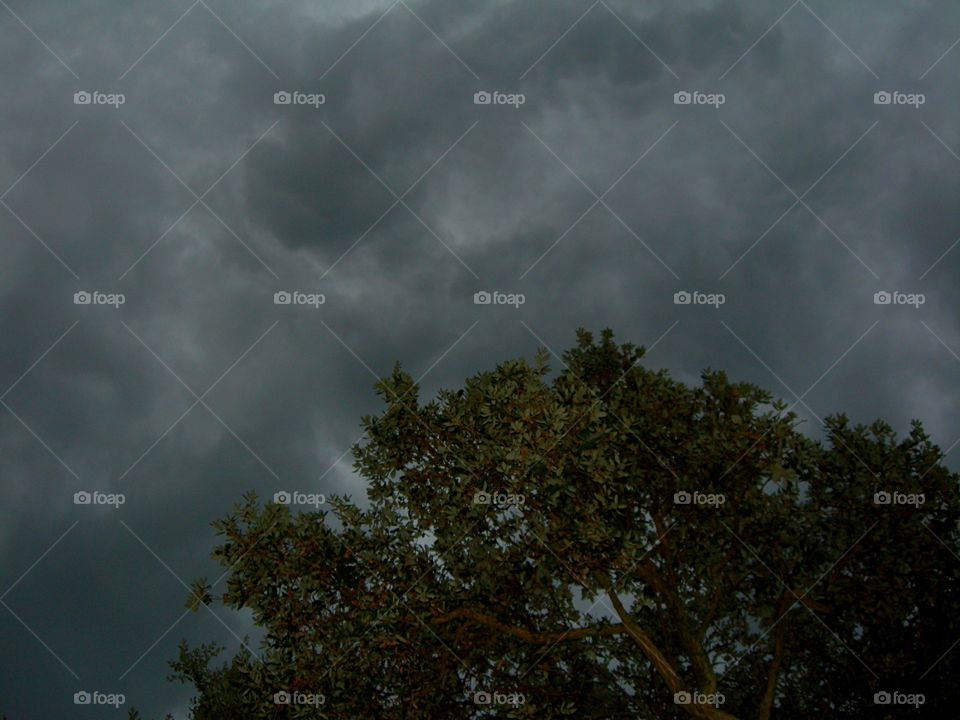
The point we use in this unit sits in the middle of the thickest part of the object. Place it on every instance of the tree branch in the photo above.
(766, 703)
(656, 657)
(683, 626)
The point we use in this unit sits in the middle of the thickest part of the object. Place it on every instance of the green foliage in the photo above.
(782, 585)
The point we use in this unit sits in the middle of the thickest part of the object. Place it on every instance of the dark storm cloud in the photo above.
(598, 198)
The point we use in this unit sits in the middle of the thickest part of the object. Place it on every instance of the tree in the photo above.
(608, 543)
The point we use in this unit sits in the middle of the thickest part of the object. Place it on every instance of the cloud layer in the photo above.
(598, 198)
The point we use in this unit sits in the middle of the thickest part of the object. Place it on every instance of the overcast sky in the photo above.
(785, 185)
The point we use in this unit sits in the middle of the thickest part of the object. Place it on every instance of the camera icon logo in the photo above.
(682, 698)
(482, 97)
(82, 698)
(482, 298)
(82, 498)
(682, 498)
(682, 298)
(282, 498)
(481, 497)
(82, 298)
(282, 98)
(682, 98)
(882, 498)
(282, 298)
(881, 298)
(82, 97)
(882, 698)
(882, 98)
(281, 698)
(482, 698)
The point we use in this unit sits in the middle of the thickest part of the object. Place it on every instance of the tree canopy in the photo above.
(599, 541)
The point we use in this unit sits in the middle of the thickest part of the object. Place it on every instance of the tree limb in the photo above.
(656, 657)
(766, 703)
(683, 626)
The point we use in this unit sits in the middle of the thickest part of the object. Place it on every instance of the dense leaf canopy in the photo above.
(599, 542)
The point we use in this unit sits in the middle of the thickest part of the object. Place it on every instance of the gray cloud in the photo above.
(499, 210)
